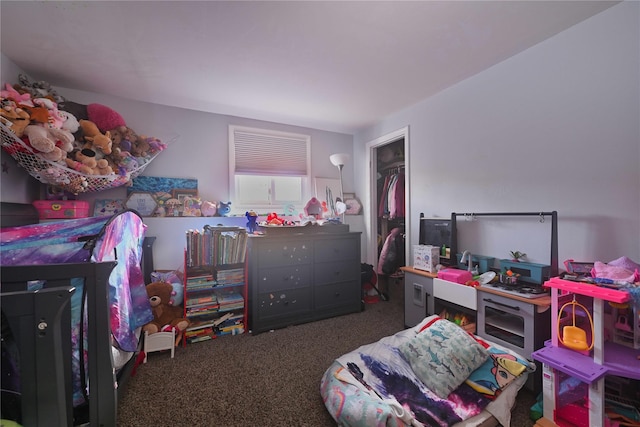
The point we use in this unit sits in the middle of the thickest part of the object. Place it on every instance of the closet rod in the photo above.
(553, 256)
(505, 213)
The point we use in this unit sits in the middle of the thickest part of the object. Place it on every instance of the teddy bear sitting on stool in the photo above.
(166, 316)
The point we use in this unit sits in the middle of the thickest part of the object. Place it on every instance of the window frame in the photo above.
(270, 137)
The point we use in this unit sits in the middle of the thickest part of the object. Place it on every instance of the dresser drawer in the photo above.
(337, 294)
(337, 249)
(284, 252)
(284, 304)
(332, 272)
(286, 277)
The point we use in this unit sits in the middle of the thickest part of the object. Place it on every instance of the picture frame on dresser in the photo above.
(108, 207)
(142, 202)
(354, 207)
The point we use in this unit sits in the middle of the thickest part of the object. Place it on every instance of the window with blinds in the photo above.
(269, 170)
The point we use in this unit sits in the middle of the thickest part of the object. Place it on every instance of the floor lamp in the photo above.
(339, 160)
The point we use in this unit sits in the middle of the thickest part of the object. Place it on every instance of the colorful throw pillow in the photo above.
(500, 369)
(443, 355)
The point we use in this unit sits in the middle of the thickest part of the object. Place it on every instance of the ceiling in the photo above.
(331, 65)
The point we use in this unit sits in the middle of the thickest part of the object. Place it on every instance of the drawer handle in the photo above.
(337, 294)
(516, 308)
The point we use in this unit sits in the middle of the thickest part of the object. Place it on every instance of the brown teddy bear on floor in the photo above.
(166, 316)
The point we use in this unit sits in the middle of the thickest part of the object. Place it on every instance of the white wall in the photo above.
(553, 128)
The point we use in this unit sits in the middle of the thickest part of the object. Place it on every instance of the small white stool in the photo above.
(158, 342)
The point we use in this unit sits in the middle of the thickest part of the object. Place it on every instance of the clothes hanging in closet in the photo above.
(392, 198)
(392, 254)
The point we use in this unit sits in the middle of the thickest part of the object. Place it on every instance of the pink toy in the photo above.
(208, 208)
(104, 117)
(11, 93)
(573, 389)
(313, 208)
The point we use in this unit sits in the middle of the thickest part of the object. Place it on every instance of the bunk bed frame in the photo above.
(39, 321)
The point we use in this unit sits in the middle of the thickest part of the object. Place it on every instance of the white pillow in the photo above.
(443, 355)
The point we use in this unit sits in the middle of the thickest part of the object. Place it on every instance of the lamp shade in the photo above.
(339, 159)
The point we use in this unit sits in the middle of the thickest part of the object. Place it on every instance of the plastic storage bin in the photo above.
(62, 209)
(484, 263)
(528, 271)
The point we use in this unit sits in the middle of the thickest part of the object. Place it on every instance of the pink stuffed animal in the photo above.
(104, 117)
(208, 208)
(19, 98)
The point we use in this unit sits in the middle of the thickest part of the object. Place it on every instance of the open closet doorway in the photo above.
(389, 211)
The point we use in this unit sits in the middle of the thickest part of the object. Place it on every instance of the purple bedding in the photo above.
(94, 239)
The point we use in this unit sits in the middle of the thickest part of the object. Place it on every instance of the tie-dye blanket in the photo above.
(375, 386)
(94, 239)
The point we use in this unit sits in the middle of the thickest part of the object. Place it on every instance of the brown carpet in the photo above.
(270, 379)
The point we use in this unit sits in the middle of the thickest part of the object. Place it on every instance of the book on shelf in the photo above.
(216, 245)
(200, 324)
(199, 280)
(230, 300)
(202, 288)
(193, 301)
(231, 330)
(189, 333)
(204, 307)
(230, 277)
(200, 313)
(200, 338)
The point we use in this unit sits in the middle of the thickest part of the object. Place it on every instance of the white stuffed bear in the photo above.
(48, 140)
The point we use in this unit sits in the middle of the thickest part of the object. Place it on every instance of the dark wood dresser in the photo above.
(298, 277)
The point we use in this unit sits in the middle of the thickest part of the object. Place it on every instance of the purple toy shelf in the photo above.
(619, 360)
(571, 362)
(593, 291)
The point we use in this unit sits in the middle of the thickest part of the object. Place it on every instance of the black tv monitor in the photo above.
(435, 231)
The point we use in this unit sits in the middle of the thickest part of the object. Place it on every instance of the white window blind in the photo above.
(266, 152)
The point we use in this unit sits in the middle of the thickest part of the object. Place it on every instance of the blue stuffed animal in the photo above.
(224, 209)
(252, 218)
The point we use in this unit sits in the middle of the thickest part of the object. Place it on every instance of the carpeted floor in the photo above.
(270, 379)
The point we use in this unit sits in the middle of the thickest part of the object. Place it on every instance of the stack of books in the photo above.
(216, 245)
(200, 333)
(202, 279)
(230, 300)
(228, 324)
(232, 325)
(234, 276)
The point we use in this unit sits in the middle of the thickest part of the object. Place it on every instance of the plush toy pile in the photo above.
(93, 139)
